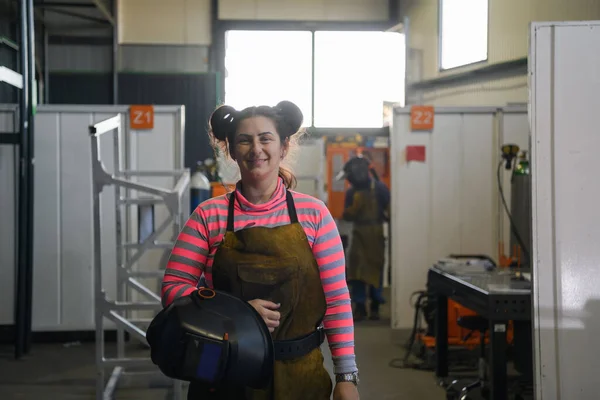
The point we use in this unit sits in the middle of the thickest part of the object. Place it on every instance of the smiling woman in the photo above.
(277, 249)
(259, 140)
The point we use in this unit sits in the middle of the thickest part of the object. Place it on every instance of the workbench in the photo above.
(496, 295)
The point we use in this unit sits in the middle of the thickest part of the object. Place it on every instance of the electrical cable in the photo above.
(420, 305)
(403, 362)
(513, 227)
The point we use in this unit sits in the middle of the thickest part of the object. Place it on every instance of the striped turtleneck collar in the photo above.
(276, 199)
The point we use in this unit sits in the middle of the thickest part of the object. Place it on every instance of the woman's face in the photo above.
(257, 148)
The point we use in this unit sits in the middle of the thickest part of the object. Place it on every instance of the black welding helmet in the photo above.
(212, 337)
(356, 170)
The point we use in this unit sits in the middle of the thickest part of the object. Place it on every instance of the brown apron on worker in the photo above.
(275, 264)
(366, 257)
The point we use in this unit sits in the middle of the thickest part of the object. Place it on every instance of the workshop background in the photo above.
(172, 53)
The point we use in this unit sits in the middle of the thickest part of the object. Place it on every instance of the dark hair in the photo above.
(286, 115)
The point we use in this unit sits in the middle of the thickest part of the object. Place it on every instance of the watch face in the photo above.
(353, 377)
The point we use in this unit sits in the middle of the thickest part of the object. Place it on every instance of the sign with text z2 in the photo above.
(141, 117)
(421, 118)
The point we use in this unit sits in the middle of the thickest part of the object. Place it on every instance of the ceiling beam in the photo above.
(104, 10)
(65, 4)
(74, 14)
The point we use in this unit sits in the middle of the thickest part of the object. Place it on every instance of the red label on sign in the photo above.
(415, 153)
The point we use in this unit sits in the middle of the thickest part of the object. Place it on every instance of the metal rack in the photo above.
(22, 137)
(117, 310)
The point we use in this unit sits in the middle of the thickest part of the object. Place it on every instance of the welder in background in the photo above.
(366, 205)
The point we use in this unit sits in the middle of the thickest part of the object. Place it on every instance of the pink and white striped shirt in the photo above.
(193, 253)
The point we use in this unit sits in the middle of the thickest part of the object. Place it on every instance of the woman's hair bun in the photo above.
(221, 122)
(291, 115)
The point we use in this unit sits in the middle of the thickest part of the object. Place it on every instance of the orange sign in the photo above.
(141, 117)
(421, 118)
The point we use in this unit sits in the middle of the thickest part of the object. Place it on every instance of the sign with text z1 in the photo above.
(141, 117)
(421, 118)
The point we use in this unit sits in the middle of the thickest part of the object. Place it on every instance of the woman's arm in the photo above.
(188, 259)
(339, 325)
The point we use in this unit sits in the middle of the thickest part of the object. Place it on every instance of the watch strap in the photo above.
(347, 377)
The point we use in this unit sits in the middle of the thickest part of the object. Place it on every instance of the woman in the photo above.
(275, 248)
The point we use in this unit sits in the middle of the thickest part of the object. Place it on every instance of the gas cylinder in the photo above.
(521, 205)
(200, 188)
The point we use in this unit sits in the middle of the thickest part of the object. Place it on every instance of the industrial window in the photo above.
(354, 73)
(265, 67)
(463, 32)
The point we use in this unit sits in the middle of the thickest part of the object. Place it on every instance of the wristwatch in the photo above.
(349, 377)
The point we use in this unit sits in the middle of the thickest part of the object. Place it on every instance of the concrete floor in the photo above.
(66, 371)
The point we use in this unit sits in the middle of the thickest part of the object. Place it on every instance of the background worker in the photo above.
(367, 207)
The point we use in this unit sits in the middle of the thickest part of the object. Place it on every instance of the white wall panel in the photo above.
(238, 9)
(449, 203)
(289, 10)
(63, 284)
(356, 10)
(188, 21)
(565, 227)
(309, 10)
(307, 162)
(164, 22)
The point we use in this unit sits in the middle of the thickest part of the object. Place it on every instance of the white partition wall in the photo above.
(308, 164)
(564, 67)
(448, 204)
(63, 291)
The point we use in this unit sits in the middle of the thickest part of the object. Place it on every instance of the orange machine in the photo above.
(338, 153)
(456, 334)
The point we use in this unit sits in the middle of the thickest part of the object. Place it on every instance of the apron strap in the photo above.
(291, 207)
(230, 212)
(288, 199)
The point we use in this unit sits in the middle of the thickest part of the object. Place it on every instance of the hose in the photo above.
(421, 304)
(403, 362)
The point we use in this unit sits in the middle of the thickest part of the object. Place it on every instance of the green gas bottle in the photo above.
(520, 205)
(522, 167)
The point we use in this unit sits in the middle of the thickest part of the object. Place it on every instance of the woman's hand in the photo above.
(266, 309)
(345, 391)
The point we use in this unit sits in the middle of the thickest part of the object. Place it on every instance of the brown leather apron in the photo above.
(275, 264)
(366, 257)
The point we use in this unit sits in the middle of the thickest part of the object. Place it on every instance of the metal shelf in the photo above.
(116, 310)
(11, 77)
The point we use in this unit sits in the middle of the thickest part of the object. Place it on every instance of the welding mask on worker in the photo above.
(356, 171)
(212, 337)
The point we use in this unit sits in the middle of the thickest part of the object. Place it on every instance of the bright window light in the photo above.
(463, 32)
(265, 67)
(355, 72)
